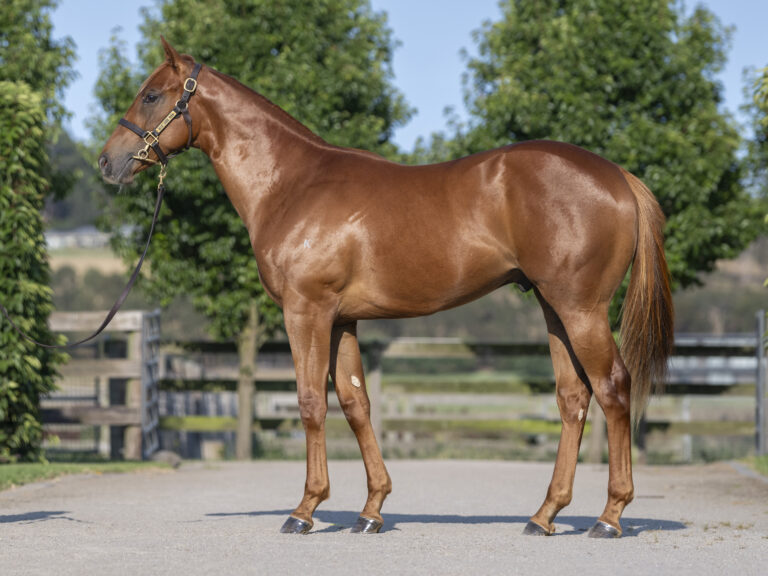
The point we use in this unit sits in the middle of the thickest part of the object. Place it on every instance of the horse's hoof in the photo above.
(366, 526)
(604, 530)
(533, 529)
(295, 526)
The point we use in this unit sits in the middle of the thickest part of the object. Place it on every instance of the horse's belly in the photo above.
(417, 287)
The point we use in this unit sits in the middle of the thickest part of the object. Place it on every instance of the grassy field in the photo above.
(83, 259)
(12, 475)
(760, 463)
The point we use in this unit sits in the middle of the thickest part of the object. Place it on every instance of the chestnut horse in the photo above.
(342, 235)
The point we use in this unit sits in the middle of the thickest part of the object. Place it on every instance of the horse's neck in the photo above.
(254, 146)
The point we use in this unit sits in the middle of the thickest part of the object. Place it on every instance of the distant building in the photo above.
(83, 237)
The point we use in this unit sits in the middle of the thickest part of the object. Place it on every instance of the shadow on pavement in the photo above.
(39, 516)
(566, 525)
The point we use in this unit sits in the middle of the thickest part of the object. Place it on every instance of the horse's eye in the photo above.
(150, 98)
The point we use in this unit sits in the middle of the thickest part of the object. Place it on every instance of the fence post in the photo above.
(247, 350)
(133, 399)
(150, 375)
(761, 427)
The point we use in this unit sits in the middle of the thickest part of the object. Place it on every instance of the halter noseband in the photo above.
(152, 137)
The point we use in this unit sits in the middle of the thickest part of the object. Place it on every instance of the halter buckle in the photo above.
(150, 139)
(193, 86)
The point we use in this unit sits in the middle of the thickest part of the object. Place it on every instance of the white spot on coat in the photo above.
(356, 382)
(307, 243)
(581, 414)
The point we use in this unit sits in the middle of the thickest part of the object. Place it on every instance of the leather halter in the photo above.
(151, 138)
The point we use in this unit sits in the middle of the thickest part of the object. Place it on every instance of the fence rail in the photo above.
(708, 393)
(432, 396)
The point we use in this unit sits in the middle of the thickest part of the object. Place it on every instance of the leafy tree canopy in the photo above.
(26, 371)
(758, 150)
(30, 54)
(34, 69)
(758, 146)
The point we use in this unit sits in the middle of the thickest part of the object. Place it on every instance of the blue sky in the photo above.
(427, 65)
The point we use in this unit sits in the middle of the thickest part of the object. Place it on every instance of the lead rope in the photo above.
(126, 290)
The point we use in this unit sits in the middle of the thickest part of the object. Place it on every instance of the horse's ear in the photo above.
(172, 57)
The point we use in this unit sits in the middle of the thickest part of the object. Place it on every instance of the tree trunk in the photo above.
(247, 349)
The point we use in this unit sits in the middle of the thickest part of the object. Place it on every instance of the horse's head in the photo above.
(146, 134)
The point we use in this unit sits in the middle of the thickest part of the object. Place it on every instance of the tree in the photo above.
(758, 148)
(328, 63)
(633, 82)
(26, 371)
(72, 165)
(30, 54)
(34, 69)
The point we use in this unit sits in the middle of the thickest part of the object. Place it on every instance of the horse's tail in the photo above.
(647, 322)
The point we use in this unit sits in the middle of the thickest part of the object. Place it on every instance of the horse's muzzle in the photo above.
(116, 171)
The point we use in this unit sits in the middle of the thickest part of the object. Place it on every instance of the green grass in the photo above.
(474, 382)
(18, 474)
(760, 463)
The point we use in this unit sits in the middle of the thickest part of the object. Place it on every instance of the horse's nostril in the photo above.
(103, 161)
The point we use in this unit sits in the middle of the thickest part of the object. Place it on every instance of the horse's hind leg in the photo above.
(348, 379)
(593, 345)
(573, 397)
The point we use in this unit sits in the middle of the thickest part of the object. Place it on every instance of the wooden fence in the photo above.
(107, 397)
(452, 398)
(430, 397)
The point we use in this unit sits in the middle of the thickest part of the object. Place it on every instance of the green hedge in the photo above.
(26, 371)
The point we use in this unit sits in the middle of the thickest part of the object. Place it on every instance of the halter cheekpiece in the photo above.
(151, 138)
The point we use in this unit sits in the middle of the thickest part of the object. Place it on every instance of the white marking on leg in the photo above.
(356, 382)
(307, 243)
(581, 414)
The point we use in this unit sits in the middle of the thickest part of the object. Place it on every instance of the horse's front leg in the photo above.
(348, 378)
(309, 331)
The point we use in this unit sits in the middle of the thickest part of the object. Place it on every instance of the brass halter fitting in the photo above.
(151, 138)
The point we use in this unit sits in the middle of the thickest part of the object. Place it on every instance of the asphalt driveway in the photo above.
(444, 517)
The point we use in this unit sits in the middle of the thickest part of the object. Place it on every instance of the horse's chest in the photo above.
(310, 268)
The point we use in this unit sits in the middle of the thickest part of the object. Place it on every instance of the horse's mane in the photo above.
(285, 118)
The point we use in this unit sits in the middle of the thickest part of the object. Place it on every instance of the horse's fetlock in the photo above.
(561, 498)
(319, 490)
(623, 494)
(380, 490)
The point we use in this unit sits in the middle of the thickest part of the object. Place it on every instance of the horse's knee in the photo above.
(313, 408)
(357, 410)
(573, 404)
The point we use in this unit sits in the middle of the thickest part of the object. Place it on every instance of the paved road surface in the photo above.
(444, 517)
